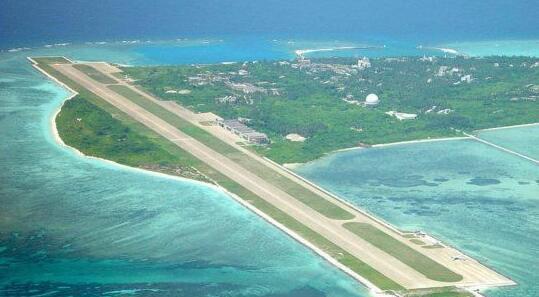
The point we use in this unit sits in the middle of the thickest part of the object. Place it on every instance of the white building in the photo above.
(363, 63)
(295, 137)
(245, 132)
(401, 115)
(372, 100)
(466, 78)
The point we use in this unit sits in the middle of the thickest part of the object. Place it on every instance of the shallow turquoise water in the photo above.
(233, 49)
(524, 140)
(482, 200)
(497, 47)
(70, 225)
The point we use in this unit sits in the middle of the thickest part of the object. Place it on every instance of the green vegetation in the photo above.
(52, 60)
(95, 74)
(307, 98)
(95, 132)
(421, 263)
(439, 292)
(450, 294)
(102, 130)
(433, 246)
(121, 124)
(301, 193)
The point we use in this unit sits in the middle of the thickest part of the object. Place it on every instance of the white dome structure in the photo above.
(372, 99)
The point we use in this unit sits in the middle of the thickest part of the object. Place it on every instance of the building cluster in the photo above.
(245, 132)
(432, 109)
(242, 91)
(533, 88)
(445, 70)
(363, 64)
(211, 78)
(370, 101)
(229, 99)
(427, 59)
(401, 115)
(454, 71)
(207, 78)
(338, 69)
(245, 88)
(466, 78)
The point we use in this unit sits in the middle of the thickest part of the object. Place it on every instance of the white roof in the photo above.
(372, 99)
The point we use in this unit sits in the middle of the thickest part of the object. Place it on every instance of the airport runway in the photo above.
(474, 273)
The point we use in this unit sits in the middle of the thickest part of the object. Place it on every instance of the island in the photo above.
(233, 124)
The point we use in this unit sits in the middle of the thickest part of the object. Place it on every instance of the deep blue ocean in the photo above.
(26, 22)
(74, 226)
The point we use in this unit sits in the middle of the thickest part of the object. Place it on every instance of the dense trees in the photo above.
(446, 93)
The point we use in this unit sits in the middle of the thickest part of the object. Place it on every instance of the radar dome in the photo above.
(372, 99)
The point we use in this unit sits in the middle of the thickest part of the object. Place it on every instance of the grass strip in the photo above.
(51, 60)
(439, 292)
(417, 241)
(95, 74)
(407, 255)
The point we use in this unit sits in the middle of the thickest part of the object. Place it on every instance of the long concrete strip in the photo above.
(474, 272)
(331, 229)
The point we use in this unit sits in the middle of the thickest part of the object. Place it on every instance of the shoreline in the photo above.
(59, 141)
(299, 164)
(445, 50)
(508, 127)
(302, 52)
(424, 140)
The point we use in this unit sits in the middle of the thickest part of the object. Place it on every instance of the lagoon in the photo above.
(477, 198)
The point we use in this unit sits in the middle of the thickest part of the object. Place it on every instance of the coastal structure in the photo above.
(242, 130)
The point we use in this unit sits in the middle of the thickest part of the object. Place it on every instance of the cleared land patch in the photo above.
(421, 263)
